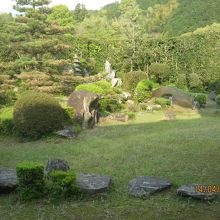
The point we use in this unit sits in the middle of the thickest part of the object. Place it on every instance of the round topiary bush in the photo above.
(201, 99)
(217, 99)
(37, 114)
(131, 79)
(109, 105)
(159, 71)
(143, 90)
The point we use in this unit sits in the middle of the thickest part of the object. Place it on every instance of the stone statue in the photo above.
(108, 68)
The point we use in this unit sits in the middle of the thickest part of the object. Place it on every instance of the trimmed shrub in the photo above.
(37, 114)
(201, 99)
(90, 88)
(108, 105)
(131, 79)
(218, 99)
(63, 184)
(143, 90)
(104, 85)
(162, 101)
(31, 183)
(68, 113)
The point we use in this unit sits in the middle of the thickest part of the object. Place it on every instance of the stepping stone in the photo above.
(93, 183)
(56, 164)
(8, 180)
(190, 191)
(144, 186)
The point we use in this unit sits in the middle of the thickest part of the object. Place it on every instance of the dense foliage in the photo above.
(37, 114)
(201, 99)
(31, 183)
(143, 90)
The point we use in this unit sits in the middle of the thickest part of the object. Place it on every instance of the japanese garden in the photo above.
(111, 113)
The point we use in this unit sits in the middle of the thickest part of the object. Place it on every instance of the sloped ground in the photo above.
(184, 151)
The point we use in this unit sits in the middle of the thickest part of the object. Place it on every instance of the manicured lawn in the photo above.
(183, 151)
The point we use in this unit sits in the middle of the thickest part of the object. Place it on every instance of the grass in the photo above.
(184, 151)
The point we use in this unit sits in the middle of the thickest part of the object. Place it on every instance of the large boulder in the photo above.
(179, 97)
(8, 180)
(85, 105)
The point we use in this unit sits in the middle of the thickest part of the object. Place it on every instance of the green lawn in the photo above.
(183, 151)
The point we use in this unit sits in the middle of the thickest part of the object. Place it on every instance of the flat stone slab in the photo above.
(67, 132)
(93, 183)
(190, 191)
(144, 186)
(8, 180)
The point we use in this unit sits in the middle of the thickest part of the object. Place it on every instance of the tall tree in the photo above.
(80, 12)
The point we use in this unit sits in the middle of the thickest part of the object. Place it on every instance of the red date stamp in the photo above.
(207, 188)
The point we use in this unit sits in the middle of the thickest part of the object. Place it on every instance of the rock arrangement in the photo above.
(67, 132)
(140, 187)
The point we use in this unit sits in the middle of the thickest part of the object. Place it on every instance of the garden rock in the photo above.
(8, 180)
(190, 191)
(67, 132)
(56, 164)
(126, 95)
(179, 97)
(119, 117)
(116, 82)
(144, 186)
(212, 95)
(155, 107)
(196, 105)
(93, 183)
(85, 105)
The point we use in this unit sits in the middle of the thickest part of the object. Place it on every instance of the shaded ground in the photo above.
(184, 151)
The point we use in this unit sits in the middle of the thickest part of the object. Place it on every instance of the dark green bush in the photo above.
(37, 114)
(63, 184)
(217, 87)
(162, 101)
(31, 183)
(91, 87)
(160, 72)
(131, 79)
(7, 126)
(109, 105)
(7, 97)
(201, 99)
(217, 99)
(143, 90)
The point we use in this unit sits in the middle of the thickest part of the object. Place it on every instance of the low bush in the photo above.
(104, 84)
(7, 97)
(63, 184)
(131, 79)
(218, 99)
(37, 114)
(68, 113)
(109, 105)
(201, 99)
(91, 87)
(7, 127)
(143, 90)
(131, 115)
(160, 72)
(162, 101)
(31, 183)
